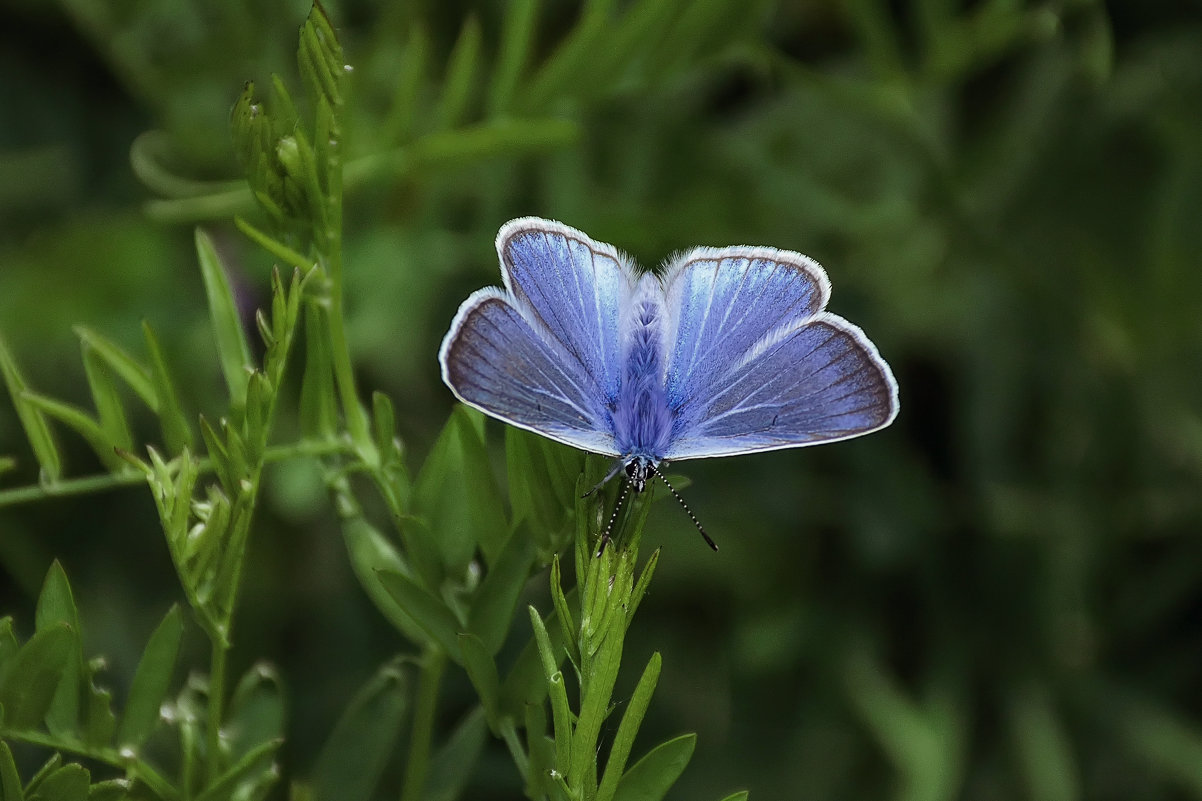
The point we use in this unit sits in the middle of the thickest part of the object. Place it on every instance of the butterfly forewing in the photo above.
(496, 360)
(756, 365)
(575, 287)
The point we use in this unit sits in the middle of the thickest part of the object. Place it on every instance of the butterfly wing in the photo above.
(754, 364)
(544, 354)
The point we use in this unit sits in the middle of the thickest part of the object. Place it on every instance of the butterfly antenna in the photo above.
(613, 517)
(686, 508)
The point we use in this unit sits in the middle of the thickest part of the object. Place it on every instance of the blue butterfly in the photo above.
(725, 351)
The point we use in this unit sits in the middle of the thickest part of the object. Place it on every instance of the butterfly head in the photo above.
(639, 470)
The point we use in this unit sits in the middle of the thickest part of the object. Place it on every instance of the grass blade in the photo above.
(352, 760)
(152, 681)
(232, 348)
(36, 429)
(177, 434)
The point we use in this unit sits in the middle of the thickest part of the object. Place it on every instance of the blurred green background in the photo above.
(998, 597)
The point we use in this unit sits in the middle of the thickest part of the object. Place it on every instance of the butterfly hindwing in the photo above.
(754, 363)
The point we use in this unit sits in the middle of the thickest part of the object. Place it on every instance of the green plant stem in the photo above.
(429, 684)
(509, 734)
(340, 355)
(216, 708)
(110, 481)
(141, 770)
(329, 242)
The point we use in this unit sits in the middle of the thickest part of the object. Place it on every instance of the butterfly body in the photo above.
(641, 415)
(725, 351)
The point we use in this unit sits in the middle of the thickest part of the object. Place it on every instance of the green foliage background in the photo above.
(997, 597)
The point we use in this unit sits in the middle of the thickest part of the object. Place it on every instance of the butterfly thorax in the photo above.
(641, 417)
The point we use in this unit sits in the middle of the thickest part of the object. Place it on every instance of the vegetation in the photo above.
(251, 549)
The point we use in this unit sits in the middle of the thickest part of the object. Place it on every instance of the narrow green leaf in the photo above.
(636, 710)
(546, 653)
(36, 430)
(68, 783)
(542, 482)
(644, 30)
(245, 774)
(275, 247)
(384, 426)
(177, 433)
(434, 616)
(252, 133)
(448, 774)
(232, 348)
(458, 87)
(10, 780)
(526, 681)
(353, 758)
(81, 423)
(741, 795)
(457, 495)
(640, 587)
(318, 398)
(31, 678)
(110, 790)
(258, 400)
(697, 30)
(482, 671)
(320, 57)
(561, 714)
(517, 36)
(238, 453)
(372, 554)
(56, 602)
(151, 682)
(56, 608)
(652, 776)
(8, 641)
(256, 711)
(495, 602)
(283, 107)
(410, 79)
(100, 722)
(284, 305)
(306, 195)
(570, 61)
(49, 766)
(109, 409)
(567, 622)
(135, 374)
(219, 457)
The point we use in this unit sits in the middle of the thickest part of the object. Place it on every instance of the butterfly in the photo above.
(724, 351)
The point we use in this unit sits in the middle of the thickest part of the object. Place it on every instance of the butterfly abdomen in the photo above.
(642, 419)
